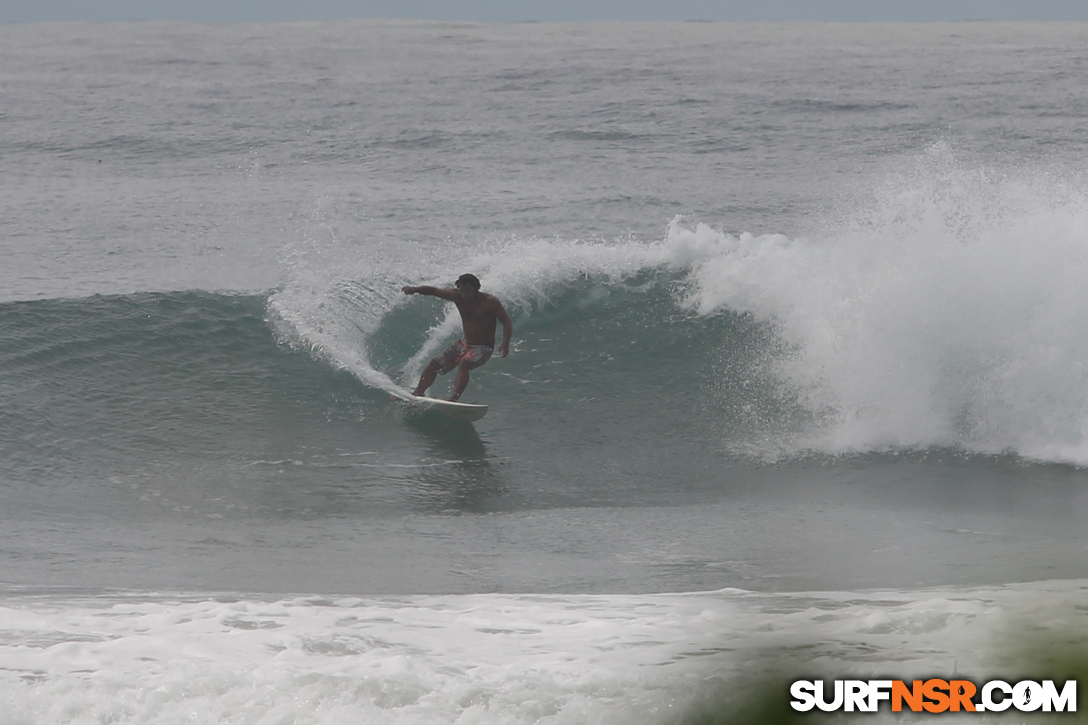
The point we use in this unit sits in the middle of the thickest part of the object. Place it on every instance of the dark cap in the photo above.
(468, 280)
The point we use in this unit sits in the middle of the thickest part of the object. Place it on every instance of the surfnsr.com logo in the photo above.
(934, 696)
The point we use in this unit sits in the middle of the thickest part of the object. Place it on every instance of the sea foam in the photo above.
(944, 312)
(500, 658)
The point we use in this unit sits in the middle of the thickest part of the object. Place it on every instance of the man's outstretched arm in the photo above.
(446, 294)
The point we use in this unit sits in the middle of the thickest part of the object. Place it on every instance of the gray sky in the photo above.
(23, 11)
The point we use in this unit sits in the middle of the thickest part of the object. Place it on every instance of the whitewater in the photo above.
(797, 386)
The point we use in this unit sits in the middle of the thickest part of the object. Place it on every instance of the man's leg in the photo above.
(461, 382)
(426, 380)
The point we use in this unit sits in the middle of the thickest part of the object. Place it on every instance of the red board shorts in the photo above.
(459, 352)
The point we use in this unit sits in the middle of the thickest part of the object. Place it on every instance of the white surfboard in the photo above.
(464, 411)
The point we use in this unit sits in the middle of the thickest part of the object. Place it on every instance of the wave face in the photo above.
(116, 381)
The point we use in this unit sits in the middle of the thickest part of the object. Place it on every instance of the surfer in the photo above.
(480, 312)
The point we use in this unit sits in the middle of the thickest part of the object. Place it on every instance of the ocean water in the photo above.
(797, 386)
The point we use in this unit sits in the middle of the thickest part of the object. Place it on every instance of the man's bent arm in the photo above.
(507, 330)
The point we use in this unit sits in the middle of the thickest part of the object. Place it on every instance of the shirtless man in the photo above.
(479, 314)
